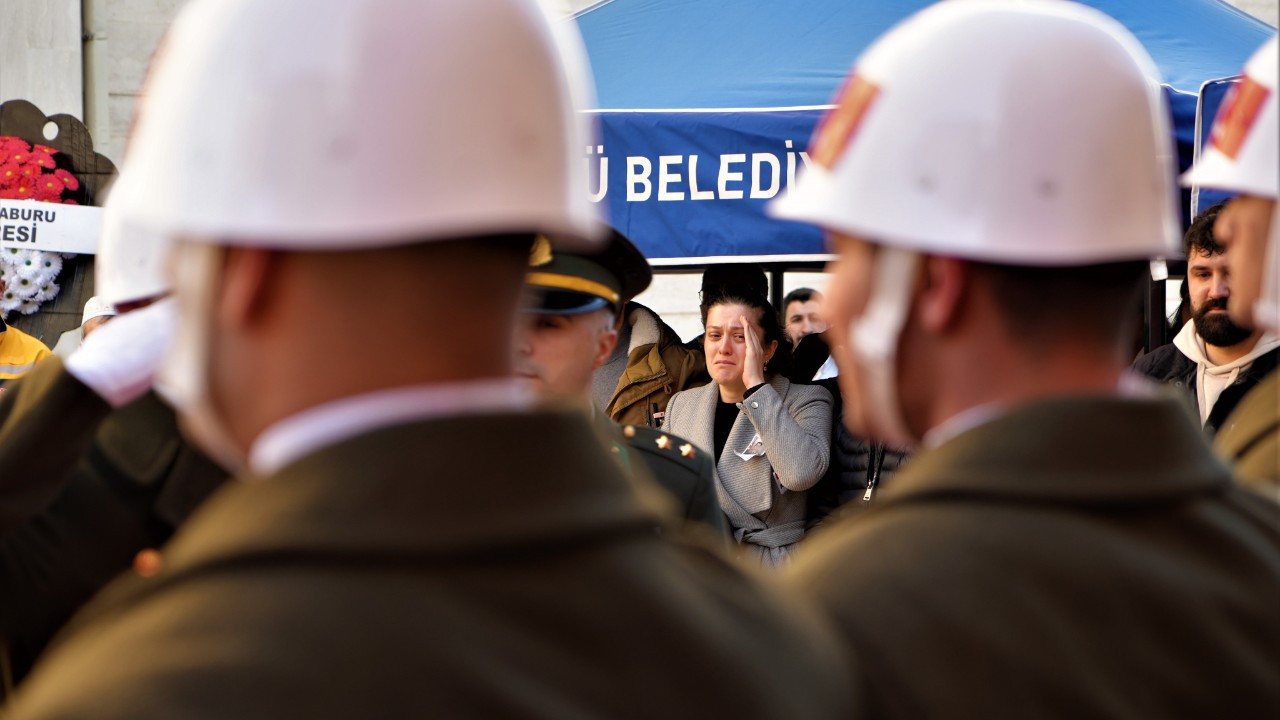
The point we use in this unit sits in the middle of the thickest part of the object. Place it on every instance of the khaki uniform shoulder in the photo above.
(665, 445)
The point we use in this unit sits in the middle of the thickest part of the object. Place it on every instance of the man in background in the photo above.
(802, 314)
(96, 313)
(1214, 360)
(1244, 157)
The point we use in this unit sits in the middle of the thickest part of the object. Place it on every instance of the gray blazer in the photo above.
(762, 489)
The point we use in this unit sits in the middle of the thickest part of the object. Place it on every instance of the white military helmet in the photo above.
(1010, 132)
(132, 260)
(1022, 133)
(342, 124)
(318, 124)
(1243, 154)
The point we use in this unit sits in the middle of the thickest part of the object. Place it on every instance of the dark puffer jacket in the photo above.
(1167, 364)
(858, 469)
(857, 465)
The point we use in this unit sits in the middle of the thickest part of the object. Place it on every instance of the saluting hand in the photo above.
(753, 366)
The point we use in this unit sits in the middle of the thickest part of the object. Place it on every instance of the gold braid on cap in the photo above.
(574, 283)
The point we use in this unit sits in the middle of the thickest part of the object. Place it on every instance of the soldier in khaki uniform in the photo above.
(407, 537)
(1065, 544)
(94, 474)
(88, 491)
(571, 319)
(1244, 157)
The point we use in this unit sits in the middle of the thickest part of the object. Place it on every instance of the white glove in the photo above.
(119, 359)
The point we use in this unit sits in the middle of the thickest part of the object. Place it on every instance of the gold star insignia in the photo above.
(664, 443)
(628, 432)
(686, 450)
(147, 563)
(540, 254)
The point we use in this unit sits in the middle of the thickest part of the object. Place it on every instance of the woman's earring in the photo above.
(766, 365)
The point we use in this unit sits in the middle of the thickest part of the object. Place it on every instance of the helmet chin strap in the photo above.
(875, 339)
(1266, 309)
(183, 379)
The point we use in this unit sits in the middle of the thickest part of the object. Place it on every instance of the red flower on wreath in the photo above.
(13, 145)
(43, 159)
(49, 188)
(67, 179)
(31, 173)
(8, 174)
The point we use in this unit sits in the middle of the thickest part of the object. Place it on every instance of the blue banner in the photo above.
(692, 185)
(695, 184)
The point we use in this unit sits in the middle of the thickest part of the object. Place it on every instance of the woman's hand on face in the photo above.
(753, 363)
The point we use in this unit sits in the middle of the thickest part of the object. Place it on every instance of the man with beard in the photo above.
(1215, 360)
(1242, 158)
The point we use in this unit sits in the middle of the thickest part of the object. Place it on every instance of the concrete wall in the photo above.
(42, 58)
(1267, 11)
(133, 30)
(40, 54)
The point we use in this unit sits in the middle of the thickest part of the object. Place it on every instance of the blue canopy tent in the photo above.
(708, 105)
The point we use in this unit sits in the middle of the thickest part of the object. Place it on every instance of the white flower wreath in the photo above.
(29, 275)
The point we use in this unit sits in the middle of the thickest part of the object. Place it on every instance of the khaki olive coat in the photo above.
(495, 566)
(83, 489)
(1250, 438)
(1075, 558)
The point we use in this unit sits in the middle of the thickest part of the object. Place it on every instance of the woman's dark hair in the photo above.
(780, 363)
